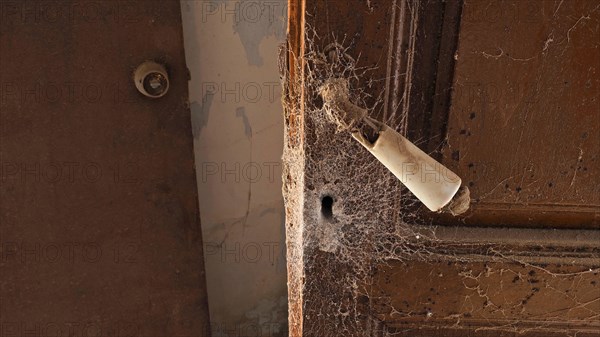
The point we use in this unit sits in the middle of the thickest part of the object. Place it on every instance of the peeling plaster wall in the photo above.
(235, 100)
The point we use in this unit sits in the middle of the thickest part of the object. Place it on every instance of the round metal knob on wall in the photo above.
(151, 79)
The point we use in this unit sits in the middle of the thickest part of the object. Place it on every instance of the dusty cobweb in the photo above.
(371, 219)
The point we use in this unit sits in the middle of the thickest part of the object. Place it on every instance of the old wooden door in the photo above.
(506, 94)
(99, 225)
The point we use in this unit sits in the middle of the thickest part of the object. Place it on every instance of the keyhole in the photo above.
(327, 207)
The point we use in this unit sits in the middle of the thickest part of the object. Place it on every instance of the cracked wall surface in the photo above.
(235, 94)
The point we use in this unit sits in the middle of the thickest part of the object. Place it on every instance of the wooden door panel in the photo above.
(99, 220)
(487, 296)
(527, 90)
(364, 262)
